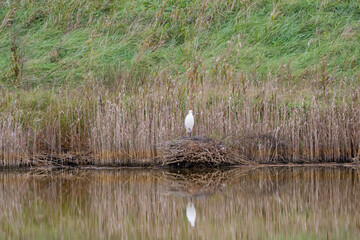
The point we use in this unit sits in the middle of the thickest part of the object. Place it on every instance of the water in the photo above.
(242, 203)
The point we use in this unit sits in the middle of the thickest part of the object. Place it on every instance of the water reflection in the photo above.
(198, 182)
(191, 213)
(244, 203)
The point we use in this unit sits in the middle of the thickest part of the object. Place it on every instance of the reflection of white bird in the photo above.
(189, 122)
(191, 213)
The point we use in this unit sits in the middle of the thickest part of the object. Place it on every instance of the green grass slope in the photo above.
(50, 43)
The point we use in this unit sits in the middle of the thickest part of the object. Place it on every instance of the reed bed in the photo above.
(13, 147)
(266, 121)
(258, 118)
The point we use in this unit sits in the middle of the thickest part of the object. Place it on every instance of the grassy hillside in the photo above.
(55, 42)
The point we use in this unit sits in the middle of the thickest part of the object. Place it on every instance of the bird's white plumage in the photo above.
(189, 122)
(191, 213)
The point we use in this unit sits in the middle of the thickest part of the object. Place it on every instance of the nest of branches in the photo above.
(198, 151)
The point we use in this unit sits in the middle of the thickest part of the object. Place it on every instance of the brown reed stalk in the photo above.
(269, 121)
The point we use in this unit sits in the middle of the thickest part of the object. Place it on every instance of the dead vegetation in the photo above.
(198, 151)
(60, 160)
(247, 119)
(262, 148)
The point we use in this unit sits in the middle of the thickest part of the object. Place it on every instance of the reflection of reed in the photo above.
(199, 182)
(270, 203)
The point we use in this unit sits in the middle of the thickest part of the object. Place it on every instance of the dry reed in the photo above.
(13, 145)
(267, 121)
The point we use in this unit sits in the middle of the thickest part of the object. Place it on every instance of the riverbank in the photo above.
(114, 80)
(262, 121)
(195, 152)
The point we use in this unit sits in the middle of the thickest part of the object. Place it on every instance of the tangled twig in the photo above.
(198, 151)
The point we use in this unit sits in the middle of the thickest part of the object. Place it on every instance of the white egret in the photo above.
(189, 122)
(191, 213)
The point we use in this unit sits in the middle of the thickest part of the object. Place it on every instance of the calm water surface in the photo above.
(241, 203)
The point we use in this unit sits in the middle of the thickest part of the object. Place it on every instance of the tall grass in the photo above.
(13, 146)
(317, 129)
(257, 116)
(71, 41)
